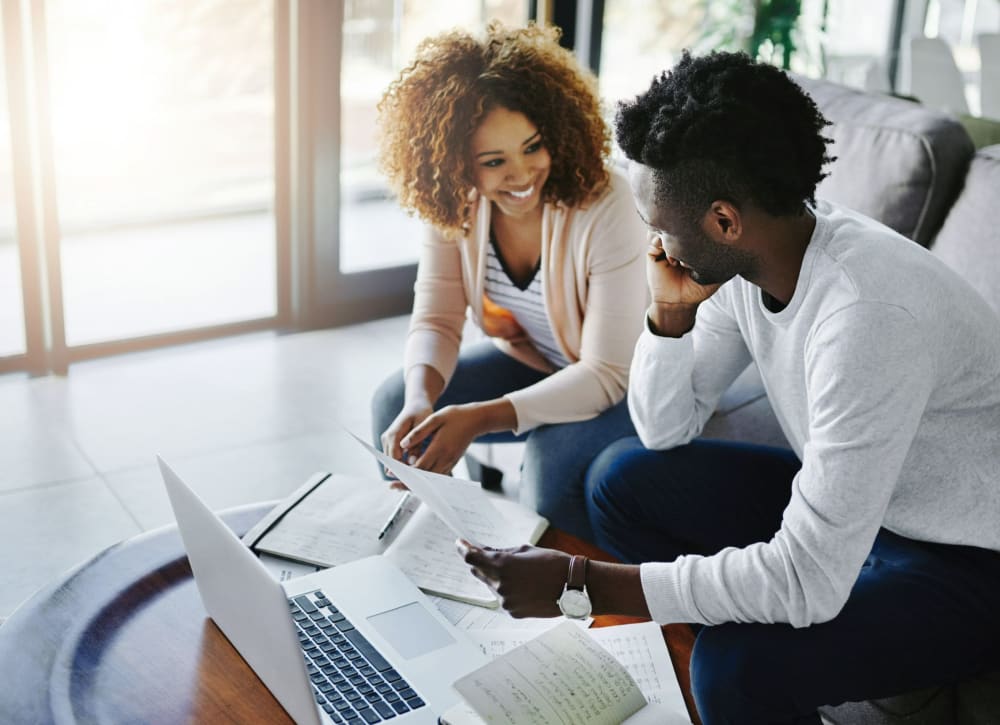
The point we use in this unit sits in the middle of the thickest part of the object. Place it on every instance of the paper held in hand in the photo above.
(466, 511)
(338, 520)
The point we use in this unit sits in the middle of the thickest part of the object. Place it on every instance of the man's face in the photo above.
(708, 261)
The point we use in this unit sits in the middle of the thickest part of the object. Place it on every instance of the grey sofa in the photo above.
(916, 171)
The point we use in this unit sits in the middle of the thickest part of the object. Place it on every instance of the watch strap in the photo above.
(577, 577)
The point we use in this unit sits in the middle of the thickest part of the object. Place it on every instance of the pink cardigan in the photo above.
(593, 282)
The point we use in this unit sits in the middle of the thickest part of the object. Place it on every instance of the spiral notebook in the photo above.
(334, 519)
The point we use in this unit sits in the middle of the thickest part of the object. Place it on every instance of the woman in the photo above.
(499, 145)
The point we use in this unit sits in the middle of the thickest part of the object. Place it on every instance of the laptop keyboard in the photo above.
(352, 682)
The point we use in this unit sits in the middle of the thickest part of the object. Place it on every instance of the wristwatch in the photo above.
(574, 601)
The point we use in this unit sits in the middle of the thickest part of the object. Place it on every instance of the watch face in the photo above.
(575, 604)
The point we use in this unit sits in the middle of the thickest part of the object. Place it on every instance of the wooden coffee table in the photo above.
(124, 638)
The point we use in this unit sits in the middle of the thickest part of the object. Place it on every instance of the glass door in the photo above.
(175, 170)
(379, 38)
(12, 337)
(162, 149)
(353, 250)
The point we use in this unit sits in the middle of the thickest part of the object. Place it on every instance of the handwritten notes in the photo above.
(638, 647)
(473, 618)
(561, 676)
(425, 550)
(462, 505)
(339, 520)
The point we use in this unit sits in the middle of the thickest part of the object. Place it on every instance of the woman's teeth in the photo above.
(522, 194)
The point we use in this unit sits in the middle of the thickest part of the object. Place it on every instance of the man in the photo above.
(866, 561)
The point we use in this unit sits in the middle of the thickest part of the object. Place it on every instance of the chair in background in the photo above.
(934, 76)
(989, 78)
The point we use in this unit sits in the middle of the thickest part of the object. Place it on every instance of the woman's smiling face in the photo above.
(510, 161)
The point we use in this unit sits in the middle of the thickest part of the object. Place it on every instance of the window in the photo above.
(641, 40)
(380, 37)
(163, 149)
(12, 340)
(190, 169)
(959, 23)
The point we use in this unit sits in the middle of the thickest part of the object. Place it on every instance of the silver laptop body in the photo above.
(385, 608)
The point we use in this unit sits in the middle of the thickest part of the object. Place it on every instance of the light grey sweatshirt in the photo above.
(884, 373)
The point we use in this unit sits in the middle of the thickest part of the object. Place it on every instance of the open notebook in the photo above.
(334, 519)
(566, 676)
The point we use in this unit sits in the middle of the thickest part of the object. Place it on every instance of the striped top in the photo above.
(526, 303)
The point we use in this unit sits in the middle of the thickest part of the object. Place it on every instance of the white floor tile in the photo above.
(243, 419)
(34, 448)
(48, 530)
(237, 476)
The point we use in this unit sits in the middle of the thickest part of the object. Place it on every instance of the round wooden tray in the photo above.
(124, 638)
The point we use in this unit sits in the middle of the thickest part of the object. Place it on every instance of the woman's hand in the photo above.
(528, 580)
(448, 433)
(411, 416)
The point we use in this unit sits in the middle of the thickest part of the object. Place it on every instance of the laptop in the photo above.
(358, 643)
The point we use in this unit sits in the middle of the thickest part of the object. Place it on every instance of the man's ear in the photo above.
(723, 222)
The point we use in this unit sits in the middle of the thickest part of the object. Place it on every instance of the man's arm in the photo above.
(862, 423)
(689, 353)
(529, 581)
(868, 379)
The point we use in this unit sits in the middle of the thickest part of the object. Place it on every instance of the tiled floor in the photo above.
(242, 419)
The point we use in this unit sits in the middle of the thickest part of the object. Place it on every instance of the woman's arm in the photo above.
(611, 240)
(439, 307)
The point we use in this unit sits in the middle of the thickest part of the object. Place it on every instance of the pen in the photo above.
(394, 516)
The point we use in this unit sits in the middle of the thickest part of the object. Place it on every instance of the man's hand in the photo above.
(675, 294)
(528, 580)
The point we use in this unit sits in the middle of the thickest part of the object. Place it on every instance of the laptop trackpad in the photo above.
(411, 630)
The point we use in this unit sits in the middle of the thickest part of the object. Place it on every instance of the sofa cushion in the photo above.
(978, 701)
(897, 161)
(931, 706)
(753, 421)
(969, 241)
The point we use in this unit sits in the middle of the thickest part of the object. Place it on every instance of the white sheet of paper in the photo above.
(642, 651)
(562, 675)
(285, 569)
(339, 524)
(425, 550)
(638, 647)
(462, 505)
(472, 618)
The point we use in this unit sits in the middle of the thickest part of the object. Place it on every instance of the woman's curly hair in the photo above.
(723, 126)
(429, 113)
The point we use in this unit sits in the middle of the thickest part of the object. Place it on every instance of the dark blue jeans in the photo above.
(556, 457)
(919, 614)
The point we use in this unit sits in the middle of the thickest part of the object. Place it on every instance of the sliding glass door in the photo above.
(175, 170)
(379, 38)
(162, 146)
(12, 340)
(363, 249)
(137, 175)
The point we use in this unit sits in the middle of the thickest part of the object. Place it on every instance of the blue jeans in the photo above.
(919, 614)
(556, 457)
